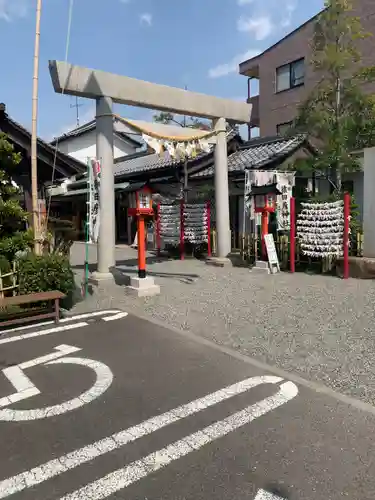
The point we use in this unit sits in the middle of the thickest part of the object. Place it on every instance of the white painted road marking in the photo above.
(87, 453)
(119, 315)
(264, 495)
(130, 474)
(40, 333)
(23, 385)
(26, 389)
(77, 317)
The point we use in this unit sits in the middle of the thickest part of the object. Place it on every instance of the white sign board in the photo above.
(271, 253)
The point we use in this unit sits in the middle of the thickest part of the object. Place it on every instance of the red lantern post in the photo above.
(265, 204)
(143, 206)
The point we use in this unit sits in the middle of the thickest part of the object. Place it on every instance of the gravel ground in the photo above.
(320, 327)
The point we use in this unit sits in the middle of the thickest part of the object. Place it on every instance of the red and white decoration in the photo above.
(322, 230)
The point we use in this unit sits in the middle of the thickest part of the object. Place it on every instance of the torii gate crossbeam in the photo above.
(107, 88)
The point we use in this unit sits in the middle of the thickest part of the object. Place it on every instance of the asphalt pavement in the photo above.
(109, 405)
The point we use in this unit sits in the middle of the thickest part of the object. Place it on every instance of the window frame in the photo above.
(290, 123)
(289, 66)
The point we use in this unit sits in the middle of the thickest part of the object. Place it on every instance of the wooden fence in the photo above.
(9, 282)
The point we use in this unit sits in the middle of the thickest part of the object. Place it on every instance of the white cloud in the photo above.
(12, 9)
(289, 9)
(231, 67)
(261, 27)
(146, 18)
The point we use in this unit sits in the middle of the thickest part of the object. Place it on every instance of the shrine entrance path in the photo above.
(321, 328)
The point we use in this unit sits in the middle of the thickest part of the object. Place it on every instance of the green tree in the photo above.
(337, 115)
(12, 215)
(170, 119)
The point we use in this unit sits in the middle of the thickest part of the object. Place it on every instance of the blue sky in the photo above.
(197, 43)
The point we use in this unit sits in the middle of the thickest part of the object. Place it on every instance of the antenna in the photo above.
(185, 115)
(77, 105)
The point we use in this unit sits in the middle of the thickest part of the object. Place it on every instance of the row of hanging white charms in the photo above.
(322, 254)
(170, 223)
(320, 229)
(317, 227)
(195, 223)
(323, 216)
(323, 206)
(178, 150)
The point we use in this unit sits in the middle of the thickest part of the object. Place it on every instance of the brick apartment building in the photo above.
(286, 78)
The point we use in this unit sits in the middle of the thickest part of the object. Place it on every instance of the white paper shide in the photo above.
(320, 229)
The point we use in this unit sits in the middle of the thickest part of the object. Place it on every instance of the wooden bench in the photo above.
(52, 296)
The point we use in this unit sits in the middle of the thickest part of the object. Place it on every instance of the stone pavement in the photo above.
(319, 327)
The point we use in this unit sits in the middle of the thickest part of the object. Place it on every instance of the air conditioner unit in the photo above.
(57, 190)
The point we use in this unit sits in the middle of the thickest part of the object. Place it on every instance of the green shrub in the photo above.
(45, 273)
(20, 241)
(5, 266)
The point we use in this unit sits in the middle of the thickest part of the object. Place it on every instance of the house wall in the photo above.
(84, 146)
(276, 108)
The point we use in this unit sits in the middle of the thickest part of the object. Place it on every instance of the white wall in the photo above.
(84, 146)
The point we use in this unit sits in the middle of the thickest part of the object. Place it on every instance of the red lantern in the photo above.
(141, 202)
(265, 202)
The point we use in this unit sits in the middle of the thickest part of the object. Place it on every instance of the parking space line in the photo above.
(40, 333)
(87, 453)
(116, 316)
(265, 495)
(130, 474)
(77, 317)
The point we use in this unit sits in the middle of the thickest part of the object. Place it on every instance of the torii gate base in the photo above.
(107, 88)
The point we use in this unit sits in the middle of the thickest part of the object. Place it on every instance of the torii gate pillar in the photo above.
(104, 153)
(106, 88)
(221, 194)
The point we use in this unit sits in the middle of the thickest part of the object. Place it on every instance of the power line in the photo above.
(67, 45)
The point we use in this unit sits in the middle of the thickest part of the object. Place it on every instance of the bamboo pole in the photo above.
(34, 131)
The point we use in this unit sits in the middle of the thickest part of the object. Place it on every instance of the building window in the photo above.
(290, 75)
(283, 128)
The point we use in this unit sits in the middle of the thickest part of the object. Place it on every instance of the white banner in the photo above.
(284, 182)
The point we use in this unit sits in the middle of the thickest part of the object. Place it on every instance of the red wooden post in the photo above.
(292, 234)
(141, 247)
(182, 231)
(208, 211)
(158, 239)
(346, 234)
(264, 232)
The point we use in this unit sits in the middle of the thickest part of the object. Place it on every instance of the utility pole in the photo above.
(34, 132)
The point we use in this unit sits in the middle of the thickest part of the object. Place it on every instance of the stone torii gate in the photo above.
(106, 89)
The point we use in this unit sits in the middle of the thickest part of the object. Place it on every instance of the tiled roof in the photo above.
(88, 127)
(258, 153)
(147, 162)
(62, 160)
